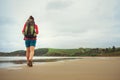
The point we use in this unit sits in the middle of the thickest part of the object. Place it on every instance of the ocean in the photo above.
(15, 61)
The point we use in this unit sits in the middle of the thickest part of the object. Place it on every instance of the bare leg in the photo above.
(31, 52)
(28, 53)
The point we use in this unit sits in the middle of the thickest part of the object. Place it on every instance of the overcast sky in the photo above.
(62, 23)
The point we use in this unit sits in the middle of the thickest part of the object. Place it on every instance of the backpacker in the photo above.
(30, 30)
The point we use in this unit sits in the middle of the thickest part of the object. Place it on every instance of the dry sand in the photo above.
(83, 69)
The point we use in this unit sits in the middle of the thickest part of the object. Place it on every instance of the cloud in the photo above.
(62, 23)
(58, 5)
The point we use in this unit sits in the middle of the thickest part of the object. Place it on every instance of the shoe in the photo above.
(30, 63)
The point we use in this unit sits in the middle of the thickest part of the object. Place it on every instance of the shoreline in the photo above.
(16, 63)
(9, 62)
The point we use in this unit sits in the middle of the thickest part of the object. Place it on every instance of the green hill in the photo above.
(69, 52)
(61, 52)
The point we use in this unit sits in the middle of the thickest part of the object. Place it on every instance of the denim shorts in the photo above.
(29, 43)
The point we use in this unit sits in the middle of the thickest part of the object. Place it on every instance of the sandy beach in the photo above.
(96, 68)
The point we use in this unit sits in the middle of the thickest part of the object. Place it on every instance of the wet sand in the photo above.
(88, 68)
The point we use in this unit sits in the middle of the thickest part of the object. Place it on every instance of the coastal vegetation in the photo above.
(111, 51)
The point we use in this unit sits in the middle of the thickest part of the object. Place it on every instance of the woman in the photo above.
(30, 31)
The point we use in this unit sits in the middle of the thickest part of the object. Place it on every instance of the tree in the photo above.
(113, 48)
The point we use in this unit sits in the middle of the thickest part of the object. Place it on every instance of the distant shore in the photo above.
(91, 68)
(113, 51)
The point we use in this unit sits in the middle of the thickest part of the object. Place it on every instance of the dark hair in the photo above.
(31, 17)
(29, 22)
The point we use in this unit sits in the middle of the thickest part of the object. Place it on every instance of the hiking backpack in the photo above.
(30, 31)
